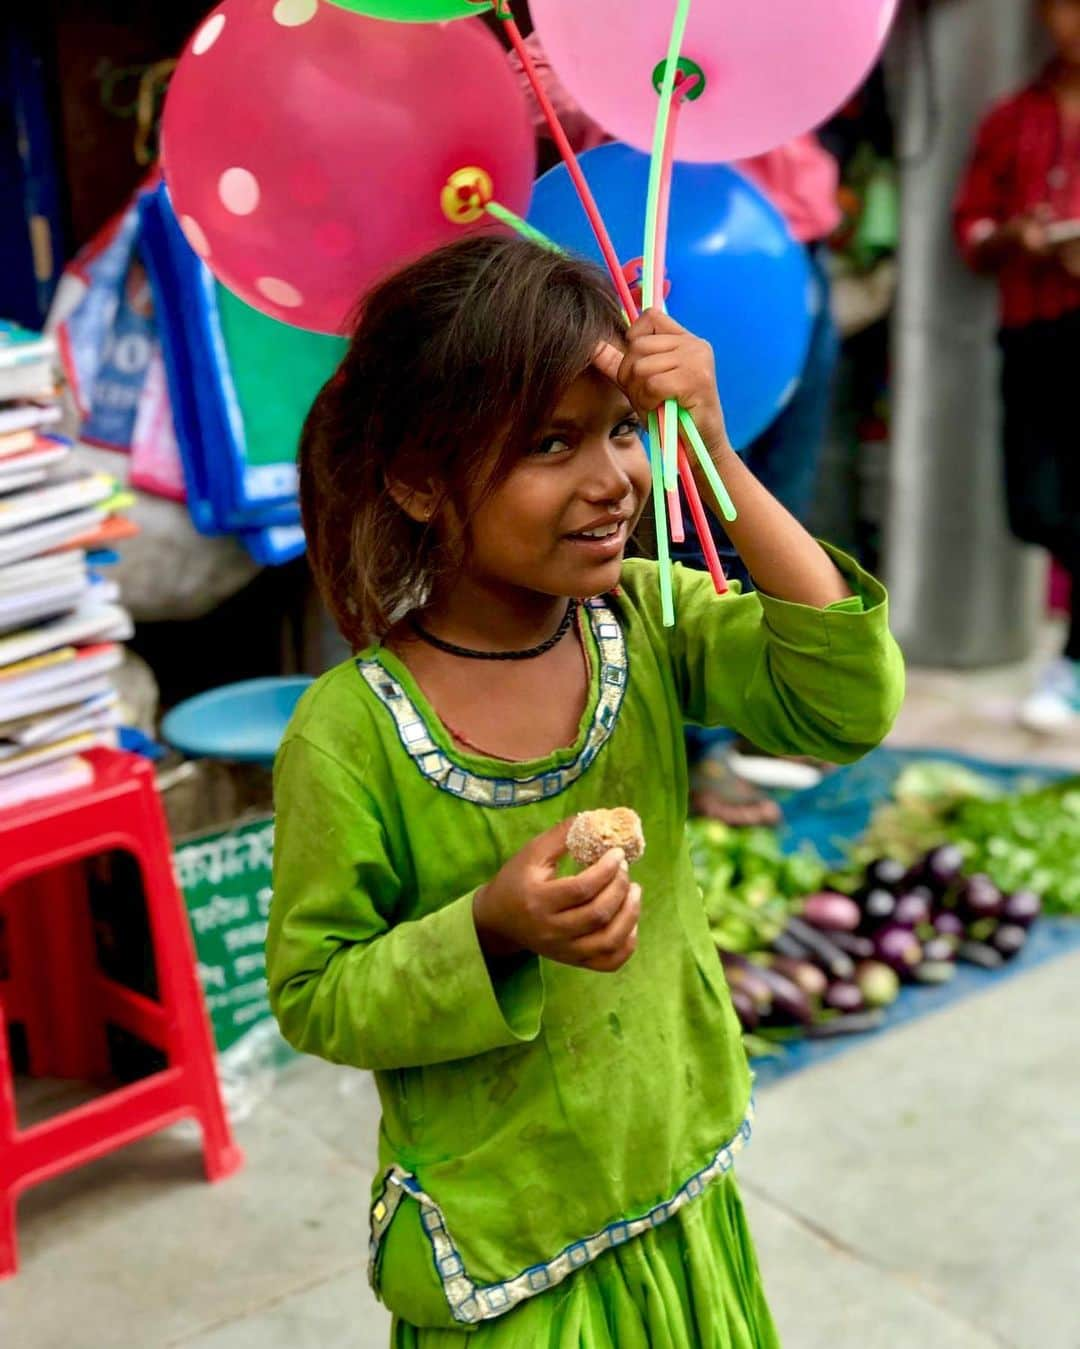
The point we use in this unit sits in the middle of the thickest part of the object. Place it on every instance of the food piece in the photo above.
(596, 832)
(878, 906)
(940, 948)
(1022, 908)
(844, 997)
(878, 983)
(788, 999)
(948, 924)
(859, 948)
(748, 979)
(831, 912)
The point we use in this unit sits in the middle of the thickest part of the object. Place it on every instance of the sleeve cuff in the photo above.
(845, 621)
(501, 1008)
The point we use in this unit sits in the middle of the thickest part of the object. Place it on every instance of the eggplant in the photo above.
(878, 905)
(745, 1009)
(1021, 908)
(899, 948)
(948, 924)
(982, 929)
(749, 980)
(878, 983)
(788, 999)
(859, 948)
(912, 909)
(836, 962)
(980, 898)
(856, 1024)
(978, 953)
(1009, 939)
(939, 949)
(942, 867)
(786, 945)
(831, 912)
(886, 873)
(934, 971)
(808, 976)
(844, 997)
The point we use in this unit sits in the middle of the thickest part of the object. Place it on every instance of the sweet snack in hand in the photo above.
(595, 832)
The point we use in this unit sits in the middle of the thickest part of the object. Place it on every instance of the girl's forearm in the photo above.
(784, 560)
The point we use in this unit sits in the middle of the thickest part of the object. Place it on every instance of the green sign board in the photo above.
(226, 881)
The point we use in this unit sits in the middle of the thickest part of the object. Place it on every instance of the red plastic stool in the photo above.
(68, 1001)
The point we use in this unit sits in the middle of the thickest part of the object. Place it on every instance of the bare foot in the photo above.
(718, 794)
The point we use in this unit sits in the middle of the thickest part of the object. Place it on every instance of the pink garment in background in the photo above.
(800, 178)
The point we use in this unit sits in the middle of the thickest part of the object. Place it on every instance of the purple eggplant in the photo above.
(878, 906)
(939, 949)
(1021, 908)
(826, 952)
(748, 979)
(1009, 939)
(789, 1002)
(912, 909)
(899, 948)
(857, 947)
(942, 867)
(745, 1009)
(886, 873)
(831, 912)
(844, 997)
(978, 953)
(949, 924)
(980, 898)
(878, 983)
(809, 977)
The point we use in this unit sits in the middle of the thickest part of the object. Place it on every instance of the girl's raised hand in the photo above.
(661, 361)
(589, 920)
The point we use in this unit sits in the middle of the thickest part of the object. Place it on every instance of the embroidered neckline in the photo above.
(470, 1302)
(443, 767)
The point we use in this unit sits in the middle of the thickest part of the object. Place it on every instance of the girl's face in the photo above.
(560, 522)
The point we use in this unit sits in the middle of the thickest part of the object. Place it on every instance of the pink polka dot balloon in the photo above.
(308, 150)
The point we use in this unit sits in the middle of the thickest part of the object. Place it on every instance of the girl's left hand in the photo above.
(661, 361)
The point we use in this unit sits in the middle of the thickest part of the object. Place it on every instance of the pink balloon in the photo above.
(307, 150)
(773, 68)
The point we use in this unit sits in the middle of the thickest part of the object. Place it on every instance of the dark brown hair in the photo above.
(456, 363)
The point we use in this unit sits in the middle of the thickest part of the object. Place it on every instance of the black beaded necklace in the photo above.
(468, 654)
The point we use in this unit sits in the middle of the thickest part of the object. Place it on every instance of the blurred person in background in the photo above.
(1017, 217)
(801, 179)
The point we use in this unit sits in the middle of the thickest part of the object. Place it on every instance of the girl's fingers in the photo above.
(608, 359)
(654, 321)
(611, 947)
(597, 915)
(574, 892)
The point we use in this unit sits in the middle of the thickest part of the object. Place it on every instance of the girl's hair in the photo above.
(456, 363)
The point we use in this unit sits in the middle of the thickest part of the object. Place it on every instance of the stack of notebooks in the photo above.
(60, 623)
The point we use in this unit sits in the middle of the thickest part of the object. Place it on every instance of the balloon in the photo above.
(415, 11)
(308, 150)
(737, 277)
(773, 68)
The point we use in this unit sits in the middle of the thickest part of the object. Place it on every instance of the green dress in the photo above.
(556, 1145)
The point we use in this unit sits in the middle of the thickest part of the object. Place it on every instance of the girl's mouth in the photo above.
(601, 541)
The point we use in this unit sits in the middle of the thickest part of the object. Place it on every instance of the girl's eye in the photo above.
(552, 445)
(629, 426)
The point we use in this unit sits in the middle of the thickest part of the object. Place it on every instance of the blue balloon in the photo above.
(737, 277)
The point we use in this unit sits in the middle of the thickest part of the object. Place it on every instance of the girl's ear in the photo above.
(418, 503)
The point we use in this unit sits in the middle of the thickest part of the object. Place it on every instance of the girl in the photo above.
(561, 1073)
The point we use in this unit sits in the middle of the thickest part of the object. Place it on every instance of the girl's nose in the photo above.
(604, 473)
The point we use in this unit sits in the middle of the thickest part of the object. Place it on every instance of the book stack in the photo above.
(60, 623)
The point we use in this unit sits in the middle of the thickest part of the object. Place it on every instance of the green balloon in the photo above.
(415, 11)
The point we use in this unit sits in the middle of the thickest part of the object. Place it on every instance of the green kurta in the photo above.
(535, 1119)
